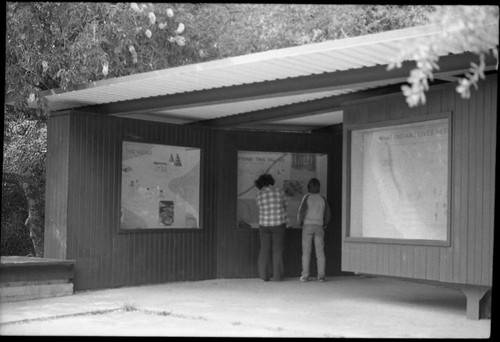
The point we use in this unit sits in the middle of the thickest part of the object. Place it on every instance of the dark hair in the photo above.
(264, 180)
(313, 185)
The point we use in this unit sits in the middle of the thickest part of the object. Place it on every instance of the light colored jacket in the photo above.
(313, 209)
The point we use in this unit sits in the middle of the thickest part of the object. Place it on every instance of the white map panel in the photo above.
(399, 181)
(160, 186)
(291, 172)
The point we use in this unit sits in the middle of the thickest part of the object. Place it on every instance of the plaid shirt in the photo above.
(272, 206)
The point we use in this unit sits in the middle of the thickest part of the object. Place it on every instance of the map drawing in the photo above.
(160, 186)
(402, 182)
(291, 172)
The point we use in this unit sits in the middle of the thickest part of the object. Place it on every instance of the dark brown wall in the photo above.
(83, 204)
(241, 246)
(469, 259)
(56, 188)
(104, 257)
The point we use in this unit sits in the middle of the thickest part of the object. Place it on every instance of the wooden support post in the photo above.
(478, 301)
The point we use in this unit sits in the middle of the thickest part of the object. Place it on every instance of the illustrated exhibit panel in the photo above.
(291, 172)
(160, 186)
(399, 181)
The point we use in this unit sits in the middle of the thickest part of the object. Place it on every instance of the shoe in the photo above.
(321, 279)
(302, 278)
(264, 279)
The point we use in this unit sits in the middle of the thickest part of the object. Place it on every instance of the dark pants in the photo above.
(272, 241)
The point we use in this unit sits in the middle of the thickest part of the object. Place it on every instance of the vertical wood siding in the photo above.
(104, 257)
(83, 204)
(469, 259)
(56, 187)
(237, 249)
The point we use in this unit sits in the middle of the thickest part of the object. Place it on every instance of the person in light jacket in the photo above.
(313, 215)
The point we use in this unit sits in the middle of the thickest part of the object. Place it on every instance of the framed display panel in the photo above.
(160, 187)
(291, 172)
(399, 182)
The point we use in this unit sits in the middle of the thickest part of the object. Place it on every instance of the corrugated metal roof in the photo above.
(313, 59)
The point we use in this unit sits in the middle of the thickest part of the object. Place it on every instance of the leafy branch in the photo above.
(472, 28)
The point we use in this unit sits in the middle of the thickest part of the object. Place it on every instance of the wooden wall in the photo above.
(469, 258)
(57, 188)
(105, 258)
(237, 249)
(83, 204)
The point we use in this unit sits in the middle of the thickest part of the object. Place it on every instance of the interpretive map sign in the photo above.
(291, 172)
(399, 181)
(160, 186)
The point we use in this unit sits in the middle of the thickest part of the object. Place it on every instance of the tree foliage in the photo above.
(15, 239)
(248, 28)
(23, 186)
(58, 44)
(472, 28)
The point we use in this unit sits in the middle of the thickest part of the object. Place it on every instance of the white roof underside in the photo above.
(313, 59)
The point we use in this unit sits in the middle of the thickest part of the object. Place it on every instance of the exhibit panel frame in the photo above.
(468, 259)
(398, 181)
(160, 187)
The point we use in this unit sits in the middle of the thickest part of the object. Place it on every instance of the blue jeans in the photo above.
(310, 233)
(272, 242)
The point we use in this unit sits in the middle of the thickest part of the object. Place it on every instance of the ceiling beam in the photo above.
(278, 128)
(295, 110)
(285, 87)
(301, 109)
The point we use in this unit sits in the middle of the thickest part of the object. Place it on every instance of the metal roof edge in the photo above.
(406, 33)
(308, 49)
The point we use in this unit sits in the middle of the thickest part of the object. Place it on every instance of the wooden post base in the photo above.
(478, 301)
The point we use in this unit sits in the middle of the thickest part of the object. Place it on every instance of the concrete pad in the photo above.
(341, 307)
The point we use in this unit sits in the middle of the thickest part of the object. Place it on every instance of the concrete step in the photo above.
(24, 278)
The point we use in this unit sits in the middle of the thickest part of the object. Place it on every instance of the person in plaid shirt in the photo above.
(273, 219)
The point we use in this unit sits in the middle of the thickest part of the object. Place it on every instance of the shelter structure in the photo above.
(150, 176)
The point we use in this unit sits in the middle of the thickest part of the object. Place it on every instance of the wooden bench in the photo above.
(24, 278)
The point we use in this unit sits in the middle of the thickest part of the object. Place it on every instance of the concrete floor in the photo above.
(348, 306)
